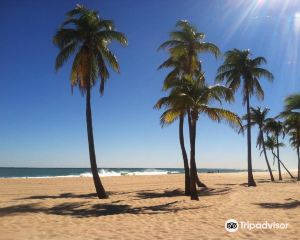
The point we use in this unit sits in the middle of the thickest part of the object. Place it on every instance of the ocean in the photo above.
(12, 172)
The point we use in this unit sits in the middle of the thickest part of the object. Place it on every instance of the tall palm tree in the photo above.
(292, 125)
(276, 128)
(184, 46)
(87, 37)
(240, 67)
(258, 117)
(195, 97)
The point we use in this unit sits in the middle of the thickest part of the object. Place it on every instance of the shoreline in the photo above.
(32, 173)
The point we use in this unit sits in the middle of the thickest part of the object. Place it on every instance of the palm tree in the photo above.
(88, 37)
(239, 66)
(292, 125)
(258, 117)
(276, 128)
(184, 46)
(195, 98)
(187, 42)
(271, 144)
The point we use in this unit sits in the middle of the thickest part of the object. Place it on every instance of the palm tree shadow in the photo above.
(179, 192)
(84, 210)
(151, 194)
(288, 205)
(226, 184)
(244, 184)
(72, 195)
(63, 195)
(214, 191)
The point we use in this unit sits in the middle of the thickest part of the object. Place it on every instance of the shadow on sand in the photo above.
(288, 205)
(143, 194)
(178, 192)
(84, 210)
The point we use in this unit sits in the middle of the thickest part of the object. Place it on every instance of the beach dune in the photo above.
(146, 207)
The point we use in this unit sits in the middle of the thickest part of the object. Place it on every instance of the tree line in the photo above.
(86, 37)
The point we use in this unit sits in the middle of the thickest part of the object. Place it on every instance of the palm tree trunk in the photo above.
(187, 190)
(280, 162)
(266, 156)
(279, 170)
(193, 170)
(251, 181)
(298, 178)
(286, 169)
(97, 182)
(198, 181)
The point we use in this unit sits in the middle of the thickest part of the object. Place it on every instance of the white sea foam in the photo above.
(106, 173)
(109, 173)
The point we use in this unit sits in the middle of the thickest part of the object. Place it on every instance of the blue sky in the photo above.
(43, 125)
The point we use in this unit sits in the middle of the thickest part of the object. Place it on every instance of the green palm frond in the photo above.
(169, 44)
(292, 102)
(259, 61)
(110, 35)
(257, 89)
(220, 114)
(207, 47)
(110, 58)
(169, 116)
(64, 54)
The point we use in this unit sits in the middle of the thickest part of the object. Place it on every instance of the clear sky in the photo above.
(43, 125)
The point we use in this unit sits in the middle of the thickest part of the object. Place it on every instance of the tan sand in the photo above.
(146, 207)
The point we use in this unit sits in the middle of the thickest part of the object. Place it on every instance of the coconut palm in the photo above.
(184, 46)
(258, 117)
(240, 67)
(292, 125)
(276, 127)
(87, 37)
(196, 97)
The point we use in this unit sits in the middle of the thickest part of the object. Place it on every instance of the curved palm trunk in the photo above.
(89, 124)
(280, 162)
(251, 182)
(279, 169)
(266, 156)
(298, 178)
(198, 181)
(193, 170)
(286, 169)
(187, 190)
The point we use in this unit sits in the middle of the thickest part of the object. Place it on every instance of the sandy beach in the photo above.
(146, 207)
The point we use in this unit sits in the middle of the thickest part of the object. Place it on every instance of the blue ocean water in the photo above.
(11, 172)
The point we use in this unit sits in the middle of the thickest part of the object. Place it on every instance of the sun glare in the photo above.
(297, 22)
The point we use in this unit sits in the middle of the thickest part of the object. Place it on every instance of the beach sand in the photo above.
(146, 207)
